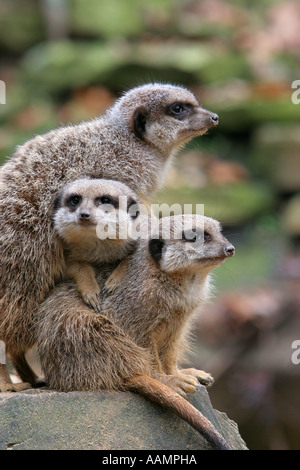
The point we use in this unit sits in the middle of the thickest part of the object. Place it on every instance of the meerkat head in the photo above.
(94, 208)
(190, 243)
(164, 116)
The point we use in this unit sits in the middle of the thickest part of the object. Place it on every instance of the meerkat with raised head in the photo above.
(138, 340)
(93, 217)
(134, 143)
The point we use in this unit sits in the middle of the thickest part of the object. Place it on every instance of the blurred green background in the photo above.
(64, 61)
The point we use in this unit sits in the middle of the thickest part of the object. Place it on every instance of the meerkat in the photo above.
(134, 142)
(84, 207)
(140, 335)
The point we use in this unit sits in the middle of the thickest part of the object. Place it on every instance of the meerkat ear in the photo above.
(156, 248)
(139, 122)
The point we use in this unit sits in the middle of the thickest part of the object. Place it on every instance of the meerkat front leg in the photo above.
(84, 276)
(116, 276)
(192, 376)
(182, 380)
(167, 371)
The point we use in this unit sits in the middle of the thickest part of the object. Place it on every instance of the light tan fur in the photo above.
(137, 341)
(134, 142)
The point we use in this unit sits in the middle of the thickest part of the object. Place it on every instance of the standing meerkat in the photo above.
(82, 209)
(140, 336)
(134, 142)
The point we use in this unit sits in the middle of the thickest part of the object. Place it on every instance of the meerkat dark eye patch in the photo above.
(139, 122)
(178, 110)
(73, 200)
(156, 247)
(132, 208)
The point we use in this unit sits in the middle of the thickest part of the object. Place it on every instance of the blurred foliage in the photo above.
(67, 60)
(232, 203)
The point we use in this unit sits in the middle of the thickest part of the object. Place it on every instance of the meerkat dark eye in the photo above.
(178, 110)
(73, 200)
(105, 200)
(132, 208)
(191, 236)
(207, 237)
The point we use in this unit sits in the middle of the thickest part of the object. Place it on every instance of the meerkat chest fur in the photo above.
(193, 291)
(179, 292)
(173, 300)
(149, 301)
(94, 251)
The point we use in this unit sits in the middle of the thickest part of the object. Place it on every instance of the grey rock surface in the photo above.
(47, 420)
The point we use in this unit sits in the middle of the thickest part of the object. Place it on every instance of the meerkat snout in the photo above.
(215, 119)
(84, 216)
(229, 250)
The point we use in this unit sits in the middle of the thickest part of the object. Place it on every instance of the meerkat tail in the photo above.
(168, 398)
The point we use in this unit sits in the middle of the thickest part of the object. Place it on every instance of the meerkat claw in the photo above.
(93, 302)
(204, 378)
(207, 381)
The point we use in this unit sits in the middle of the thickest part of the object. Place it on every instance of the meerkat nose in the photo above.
(84, 216)
(229, 250)
(215, 119)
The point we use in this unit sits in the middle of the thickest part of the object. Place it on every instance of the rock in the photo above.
(47, 420)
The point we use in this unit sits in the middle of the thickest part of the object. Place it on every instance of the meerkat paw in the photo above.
(10, 387)
(180, 383)
(203, 377)
(92, 300)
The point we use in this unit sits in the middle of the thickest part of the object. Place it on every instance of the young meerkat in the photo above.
(138, 340)
(83, 209)
(134, 143)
